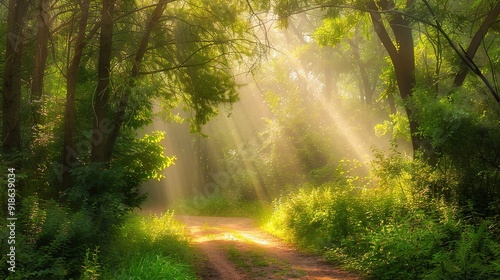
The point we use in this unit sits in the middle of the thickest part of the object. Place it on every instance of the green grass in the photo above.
(384, 237)
(153, 266)
(247, 260)
(149, 247)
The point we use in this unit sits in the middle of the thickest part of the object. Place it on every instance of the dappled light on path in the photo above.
(234, 248)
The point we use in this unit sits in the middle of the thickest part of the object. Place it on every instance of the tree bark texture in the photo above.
(69, 153)
(490, 19)
(41, 53)
(11, 88)
(402, 56)
(101, 100)
(104, 154)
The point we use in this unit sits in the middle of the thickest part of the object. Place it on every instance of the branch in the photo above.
(134, 73)
(382, 32)
(463, 54)
(476, 41)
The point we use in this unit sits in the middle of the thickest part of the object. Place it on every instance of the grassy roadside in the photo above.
(381, 236)
(145, 247)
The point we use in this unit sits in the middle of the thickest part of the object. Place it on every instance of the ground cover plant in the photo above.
(389, 231)
(150, 247)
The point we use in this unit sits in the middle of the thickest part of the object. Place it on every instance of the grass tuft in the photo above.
(150, 247)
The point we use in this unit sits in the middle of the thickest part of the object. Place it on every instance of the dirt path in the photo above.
(234, 248)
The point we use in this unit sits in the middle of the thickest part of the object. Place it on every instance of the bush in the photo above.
(51, 240)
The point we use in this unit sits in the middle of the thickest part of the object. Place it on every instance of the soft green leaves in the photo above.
(334, 29)
(398, 127)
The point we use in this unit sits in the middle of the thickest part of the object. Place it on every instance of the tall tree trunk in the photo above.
(11, 89)
(69, 153)
(41, 53)
(403, 60)
(134, 75)
(99, 152)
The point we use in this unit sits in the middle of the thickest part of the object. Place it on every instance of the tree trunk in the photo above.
(364, 87)
(11, 89)
(41, 53)
(69, 153)
(134, 75)
(403, 60)
(101, 103)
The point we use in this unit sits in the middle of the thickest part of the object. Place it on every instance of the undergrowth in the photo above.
(53, 242)
(150, 247)
(393, 230)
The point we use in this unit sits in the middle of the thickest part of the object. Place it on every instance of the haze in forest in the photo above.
(296, 75)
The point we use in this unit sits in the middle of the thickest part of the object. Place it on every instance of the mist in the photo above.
(299, 117)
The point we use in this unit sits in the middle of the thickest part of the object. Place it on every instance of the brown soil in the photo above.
(234, 248)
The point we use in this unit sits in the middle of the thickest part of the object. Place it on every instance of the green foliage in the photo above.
(335, 29)
(397, 230)
(149, 247)
(397, 127)
(51, 240)
(475, 255)
(91, 266)
(188, 61)
(465, 138)
(109, 192)
(221, 203)
(143, 158)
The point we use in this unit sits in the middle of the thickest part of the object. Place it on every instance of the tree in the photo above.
(11, 89)
(401, 52)
(102, 150)
(169, 53)
(69, 155)
(399, 46)
(103, 89)
(467, 56)
(393, 22)
(41, 54)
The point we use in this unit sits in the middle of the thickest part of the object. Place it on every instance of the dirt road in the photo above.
(234, 248)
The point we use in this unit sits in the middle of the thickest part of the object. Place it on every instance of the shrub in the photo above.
(220, 203)
(51, 240)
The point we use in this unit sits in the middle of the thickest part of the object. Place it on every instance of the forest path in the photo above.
(235, 248)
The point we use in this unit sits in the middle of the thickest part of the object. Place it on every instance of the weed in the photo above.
(91, 267)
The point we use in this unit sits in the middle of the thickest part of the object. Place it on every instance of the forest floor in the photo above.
(235, 248)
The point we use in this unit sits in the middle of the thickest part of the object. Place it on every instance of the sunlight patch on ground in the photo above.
(208, 233)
